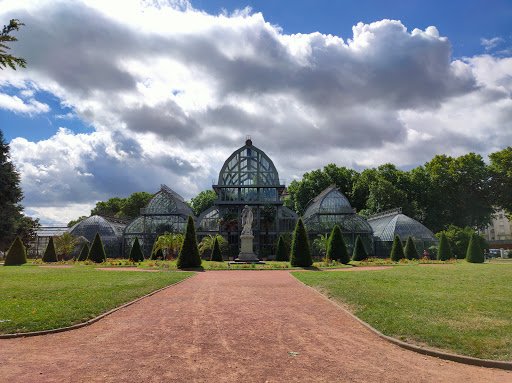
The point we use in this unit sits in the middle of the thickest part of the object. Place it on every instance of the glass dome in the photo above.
(110, 232)
(330, 201)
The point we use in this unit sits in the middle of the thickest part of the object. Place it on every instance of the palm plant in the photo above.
(168, 242)
(229, 222)
(208, 243)
(65, 244)
(321, 243)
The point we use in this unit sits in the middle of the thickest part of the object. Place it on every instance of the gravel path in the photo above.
(232, 326)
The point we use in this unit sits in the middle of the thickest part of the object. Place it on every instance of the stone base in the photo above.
(237, 262)
(247, 258)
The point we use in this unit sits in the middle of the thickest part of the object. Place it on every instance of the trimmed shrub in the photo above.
(397, 251)
(444, 252)
(84, 253)
(359, 250)
(281, 253)
(97, 251)
(300, 253)
(410, 249)
(16, 255)
(474, 253)
(336, 247)
(49, 254)
(216, 253)
(158, 255)
(189, 253)
(136, 254)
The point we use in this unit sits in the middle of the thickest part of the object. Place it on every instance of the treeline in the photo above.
(445, 191)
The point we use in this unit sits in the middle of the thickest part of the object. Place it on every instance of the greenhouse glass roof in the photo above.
(386, 226)
(109, 231)
(330, 201)
(167, 201)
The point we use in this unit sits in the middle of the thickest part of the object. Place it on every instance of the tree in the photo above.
(130, 207)
(74, 222)
(410, 249)
(111, 207)
(474, 253)
(189, 254)
(501, 173)
(5, 37)
(359, 253)
(281, 253)
(216, 253)
(136, 254)
(49, 254)
(267, 219)
(300, 253)
(229, 222)
(459, 240)
(84, 253)
(444, 252)
(97, 251)
(16, 255)
(169, 242)
(203, 201)
(336, 248)
(321, 243)
(207, 244)
(65, 244)
(397, 251)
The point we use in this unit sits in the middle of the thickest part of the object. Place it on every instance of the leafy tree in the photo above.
(130, 207)
(267, 218)
(336, 248)
(397, 250)
(501, 173)
(321, 243)
(169, 242)
(207, 244)
(410, 249)
(189, 254)
(74, 222)
(300, 254)
(49, 254)
(65, 244)
(459, 240)
(136, 254)
(444, 252)
(112, 207)
(84, 253)
(5, 37)
(203, 201)
(16, 254)
(281, 253)
(229, 222)
(474, 253)
(216, 253)
(97, 251)
(359, 253)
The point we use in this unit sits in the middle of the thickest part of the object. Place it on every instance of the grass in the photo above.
(35, 298)
(463, 308)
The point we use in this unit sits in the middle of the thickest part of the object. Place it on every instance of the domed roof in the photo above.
(387, 225)
(167, 201)
(109, 231)
(330, 201)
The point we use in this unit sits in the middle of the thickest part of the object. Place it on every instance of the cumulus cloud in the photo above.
(171, 91)
(491, 43)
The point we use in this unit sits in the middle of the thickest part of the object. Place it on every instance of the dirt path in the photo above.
(233, 326)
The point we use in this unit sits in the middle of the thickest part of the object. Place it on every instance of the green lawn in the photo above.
(34, 298)
(464, 308)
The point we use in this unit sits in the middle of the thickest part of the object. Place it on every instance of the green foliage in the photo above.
(229, 221)
(124, 208)
(359, 250)
(84, 253)
(169, 242)
(136, 254)
(459, 240)
(267, 218)
(16, 254)
(217, 254)
(397, 251)
(336, 248)
(65, 244)
(49, 254)
(475, 253)
(203, 201)
(5, 37)
(410, 249)
(320, 244)
(97, 251)
(281, 253)
(207, 244)
(444, 252)
(300, 253)
(189, 254)
(158, 254)
(74, 222)
(501, 173)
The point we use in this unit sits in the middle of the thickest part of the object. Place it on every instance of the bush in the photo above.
(459, 240)
(216, 253)
(49, 254)
(474, 253)
(136, 254)
(397, 251)
(300, 253)
(281, 253)
(336, 247)
(189, 253)
(84, 253)
(16, 255)
(444, 252)
(410, 249)
(97, 251)
(359, 250)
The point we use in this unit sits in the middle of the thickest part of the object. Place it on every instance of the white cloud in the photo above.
(490, 44)
(17, 105)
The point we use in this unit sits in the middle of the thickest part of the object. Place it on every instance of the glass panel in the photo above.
(269, 194)
(229, 194)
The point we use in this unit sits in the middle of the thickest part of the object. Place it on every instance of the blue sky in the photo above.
(122, 96)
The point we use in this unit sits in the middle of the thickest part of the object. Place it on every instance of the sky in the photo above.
(122, 96)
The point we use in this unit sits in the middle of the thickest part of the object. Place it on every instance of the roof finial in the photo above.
(248, 140)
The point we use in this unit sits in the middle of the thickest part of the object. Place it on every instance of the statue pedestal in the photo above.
(246, 253)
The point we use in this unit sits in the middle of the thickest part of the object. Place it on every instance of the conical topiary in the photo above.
(410, 249)
(49, 253)
(16, 255)
(397, 251)
(136, 254)
(336, 247)
(281, 253)
(474, 253)
(359, 250)
(158, 255)
(444, 252)
(97, 251)
(216, 253)
(300, 253)
(189, 254)
(84, 253)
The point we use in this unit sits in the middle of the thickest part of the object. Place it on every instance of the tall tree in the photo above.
(300, 254)
(474, 253)
(444, 252)
(6, 37)
(130, 207)
(189, 254)
(203, 201)
(501, 173)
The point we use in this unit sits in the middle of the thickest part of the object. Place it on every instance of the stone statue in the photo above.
(247, 218)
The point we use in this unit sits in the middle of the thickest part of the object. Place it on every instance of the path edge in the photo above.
(90, 321)
(418, 349)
